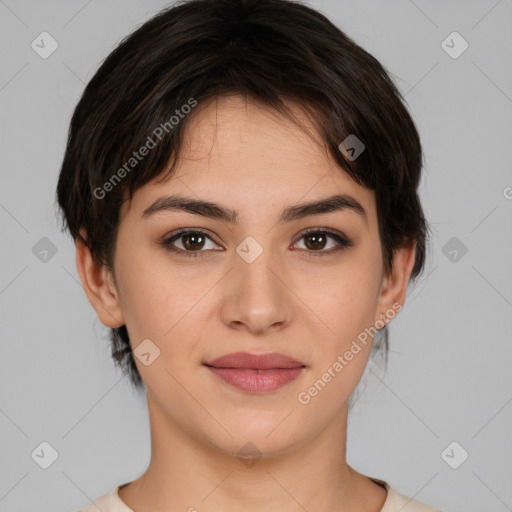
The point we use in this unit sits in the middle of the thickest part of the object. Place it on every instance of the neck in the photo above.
(186, 473)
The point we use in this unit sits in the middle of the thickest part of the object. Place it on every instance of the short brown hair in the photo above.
(272, 51)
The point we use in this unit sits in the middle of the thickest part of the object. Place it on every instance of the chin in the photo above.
(267, 439)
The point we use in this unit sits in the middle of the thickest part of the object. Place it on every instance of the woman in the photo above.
(241, 184)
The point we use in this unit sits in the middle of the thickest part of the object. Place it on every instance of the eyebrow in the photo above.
(335, 203)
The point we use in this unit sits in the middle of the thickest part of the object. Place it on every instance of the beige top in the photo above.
(395, 502)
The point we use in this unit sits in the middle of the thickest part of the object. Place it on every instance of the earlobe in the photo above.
(98, 286)
(394, 286)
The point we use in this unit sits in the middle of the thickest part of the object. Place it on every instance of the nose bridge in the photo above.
(257, 265)
(259, 295)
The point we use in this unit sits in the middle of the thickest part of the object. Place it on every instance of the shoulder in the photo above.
(397, 502)
(404, 503)
(109, 502)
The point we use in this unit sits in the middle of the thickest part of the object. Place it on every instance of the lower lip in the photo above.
(257, 381)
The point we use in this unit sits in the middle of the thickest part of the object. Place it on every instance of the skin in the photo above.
(253, 160)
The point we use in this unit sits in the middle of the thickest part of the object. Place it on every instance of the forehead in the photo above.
(232, 127)
(240, 150)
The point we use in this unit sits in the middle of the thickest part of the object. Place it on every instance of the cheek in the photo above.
(155, 307)
(159, 307)
(350, 301)
(164, 302)
(151, 298)
(340, 357)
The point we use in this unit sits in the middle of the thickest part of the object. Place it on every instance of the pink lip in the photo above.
(256, 373)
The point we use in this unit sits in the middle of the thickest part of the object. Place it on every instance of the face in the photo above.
(305, 286)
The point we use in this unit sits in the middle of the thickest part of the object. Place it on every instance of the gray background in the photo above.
(449, 376)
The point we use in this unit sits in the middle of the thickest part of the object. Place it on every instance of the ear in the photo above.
(394, 285)
(98, 285)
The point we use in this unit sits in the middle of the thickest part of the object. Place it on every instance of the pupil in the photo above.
(318, 238)
(193, 244)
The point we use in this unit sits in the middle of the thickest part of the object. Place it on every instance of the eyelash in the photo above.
(343, 243)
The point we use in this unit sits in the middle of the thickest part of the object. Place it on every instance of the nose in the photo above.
(256, 296)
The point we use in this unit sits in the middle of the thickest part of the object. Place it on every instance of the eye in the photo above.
(194, 241)
(316, 239)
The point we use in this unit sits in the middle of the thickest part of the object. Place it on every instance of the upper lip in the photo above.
(254, 361)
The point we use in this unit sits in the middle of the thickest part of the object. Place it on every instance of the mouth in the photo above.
(256, 373)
